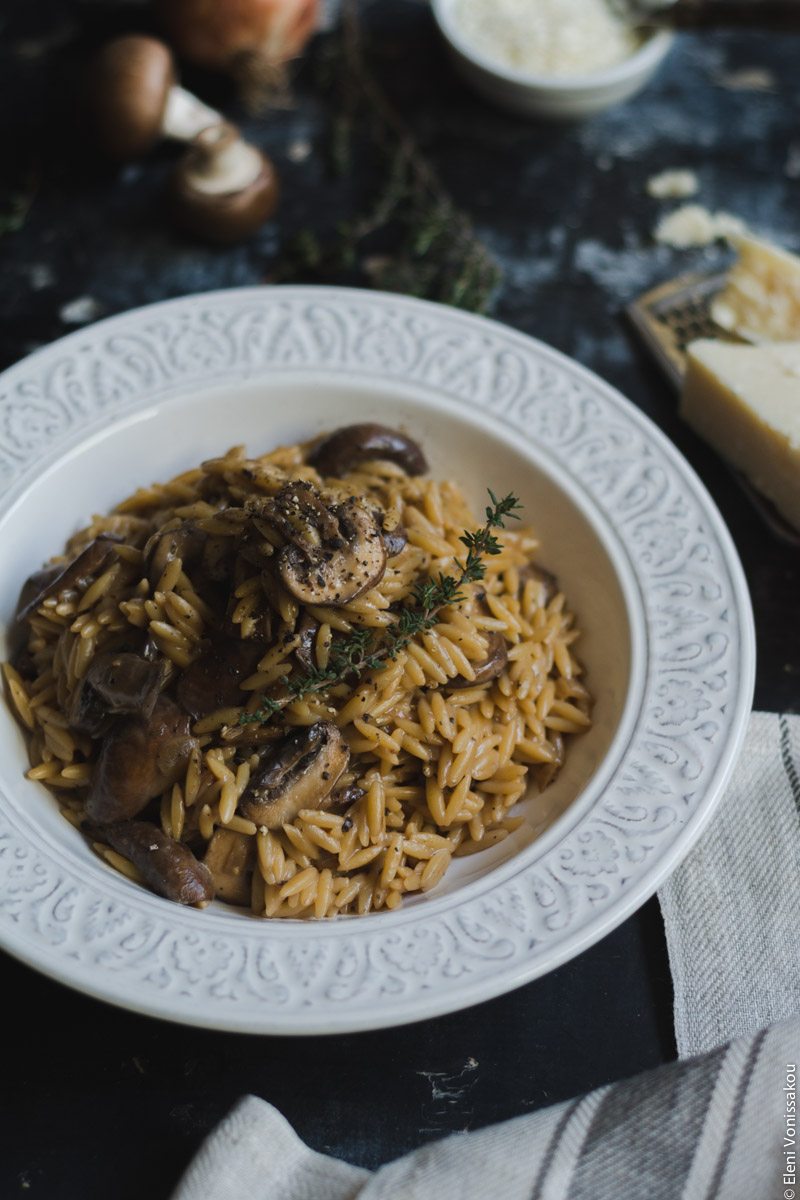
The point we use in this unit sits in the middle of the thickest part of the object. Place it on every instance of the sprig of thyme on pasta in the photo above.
(352, 656)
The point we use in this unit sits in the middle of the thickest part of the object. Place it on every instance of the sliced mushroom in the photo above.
(230, 858)
(34, 587)
(75, 574)
(184, 541)
(138, 760)
(306, 652)
(168, 866)
(115, 683)
(213, 680)
(344, 797)
(540, 575)
(394, 540)
(301, 773)
(335, 551)
(488, 668)
(351, 445)
(217, 559)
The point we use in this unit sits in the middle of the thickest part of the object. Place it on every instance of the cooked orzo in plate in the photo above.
(216, 684)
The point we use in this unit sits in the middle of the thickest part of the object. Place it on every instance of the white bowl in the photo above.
(567, 98)
(640, 551)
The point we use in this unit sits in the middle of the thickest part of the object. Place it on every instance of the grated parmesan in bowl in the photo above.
(563, 59)
(547, 37)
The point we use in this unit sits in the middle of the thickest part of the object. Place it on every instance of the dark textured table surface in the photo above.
(94, 1094)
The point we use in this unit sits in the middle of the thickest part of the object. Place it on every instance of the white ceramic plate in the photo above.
(639, 548)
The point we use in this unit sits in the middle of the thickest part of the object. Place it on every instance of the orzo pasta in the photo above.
(154, 668)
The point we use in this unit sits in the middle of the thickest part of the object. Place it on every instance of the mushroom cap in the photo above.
(138, 760)
(350, 445)
(489, 668)
(300, 773)
(128, 85)
(342, 567)
(76, 574)
(222, 214)
(115, 683)
(168, 866)
(213, 680)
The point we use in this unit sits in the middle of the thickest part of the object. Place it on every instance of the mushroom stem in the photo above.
(185, 116)
(222, 163)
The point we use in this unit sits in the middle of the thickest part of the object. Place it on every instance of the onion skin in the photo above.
(216, 33)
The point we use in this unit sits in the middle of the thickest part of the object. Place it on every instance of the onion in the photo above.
(252, 39)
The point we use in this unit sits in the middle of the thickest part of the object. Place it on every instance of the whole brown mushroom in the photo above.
(224, 188)
(134, 99)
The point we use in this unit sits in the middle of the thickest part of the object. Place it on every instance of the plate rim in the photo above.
(431, 1002)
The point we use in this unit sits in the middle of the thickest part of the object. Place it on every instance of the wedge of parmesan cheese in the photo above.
(761, 297)
(745, 401)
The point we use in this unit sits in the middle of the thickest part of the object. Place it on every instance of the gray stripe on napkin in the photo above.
(664, 1110)
(552, 1147)
(789, 764)
(733, 1121)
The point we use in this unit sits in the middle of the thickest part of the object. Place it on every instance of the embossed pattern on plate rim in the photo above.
(378, 971)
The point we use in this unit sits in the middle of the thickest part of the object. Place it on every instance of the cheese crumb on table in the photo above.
(761, 297)
(745, 401)
(673, 185)
(547, 37)
(693, 225)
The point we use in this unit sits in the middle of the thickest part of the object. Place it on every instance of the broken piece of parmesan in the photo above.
(674, 184)
(761, 297)
(693, 225)
(745, 401)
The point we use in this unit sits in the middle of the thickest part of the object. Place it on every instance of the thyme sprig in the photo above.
(411, 238)
(362, 650)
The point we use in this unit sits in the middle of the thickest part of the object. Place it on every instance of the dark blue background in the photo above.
(98, 1102)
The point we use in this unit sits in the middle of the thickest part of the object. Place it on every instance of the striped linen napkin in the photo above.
(719, 1125)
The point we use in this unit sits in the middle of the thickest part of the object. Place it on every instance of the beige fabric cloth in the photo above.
(718, 1126)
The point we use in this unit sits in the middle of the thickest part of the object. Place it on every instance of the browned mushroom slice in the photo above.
(345, 448)
(217, 560)
(34, 587)
(230, 857)
(213, 680)
(168, 866)
(115, 683)
(301, 773)
(74, 575)
(335, 552)
(489, 668)
(138, 760)
(306, 652)
(344, 797)
(540, 575)
(184, 541)
(394, 540)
